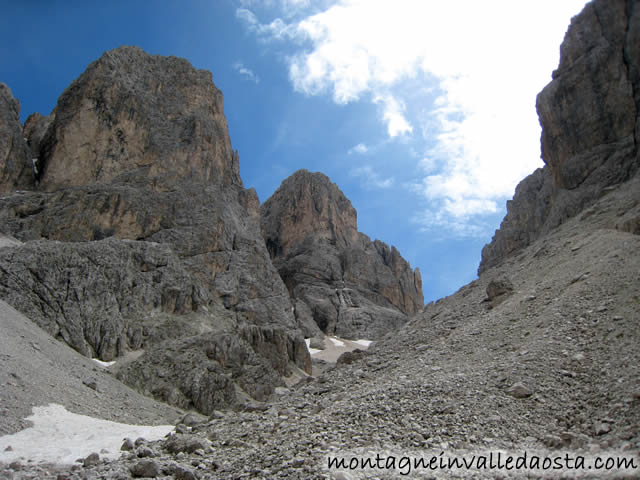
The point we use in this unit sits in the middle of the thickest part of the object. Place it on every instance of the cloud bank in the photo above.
(457, 79)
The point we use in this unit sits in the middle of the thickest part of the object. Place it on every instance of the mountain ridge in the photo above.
(139, 237)
(145, 238)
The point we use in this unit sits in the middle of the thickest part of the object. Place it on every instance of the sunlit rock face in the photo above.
(339, 280)
(137, 117)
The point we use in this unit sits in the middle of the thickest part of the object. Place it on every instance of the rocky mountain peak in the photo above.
(136, 117)
(339, 280)
(307, 204)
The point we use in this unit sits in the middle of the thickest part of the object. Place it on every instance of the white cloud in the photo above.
(288, 8)
(438, 221)
(370, 178)
(480, 65)
(277, 29)
(394, 115)
(360, 148)
(246, 72)
(428, 164)
(293, 7)
(248, 17)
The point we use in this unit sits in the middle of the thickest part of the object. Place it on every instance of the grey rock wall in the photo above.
(589, 117)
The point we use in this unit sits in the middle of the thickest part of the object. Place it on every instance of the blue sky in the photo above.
(423, 112)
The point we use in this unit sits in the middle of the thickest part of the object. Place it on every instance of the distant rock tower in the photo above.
(339, 280)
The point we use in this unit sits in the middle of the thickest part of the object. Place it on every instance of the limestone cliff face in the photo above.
(133, 115)
(15, 158)
(140, 236)
(589, 117)
(307, 203)
(340, 281)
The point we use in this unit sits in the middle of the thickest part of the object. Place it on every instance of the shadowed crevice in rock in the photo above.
(15, 158)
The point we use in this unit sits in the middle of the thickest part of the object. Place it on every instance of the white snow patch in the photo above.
(364, 343)
(336, 342)
(61, 437)
(312, 351)
(9, 241)
(103, 364)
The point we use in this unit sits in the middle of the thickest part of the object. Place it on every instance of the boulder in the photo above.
(498, 290)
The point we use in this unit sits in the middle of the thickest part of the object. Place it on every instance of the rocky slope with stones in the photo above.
(340, 281)
(552, 368)
(139, 236)
(39, 370)
(589, 117)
